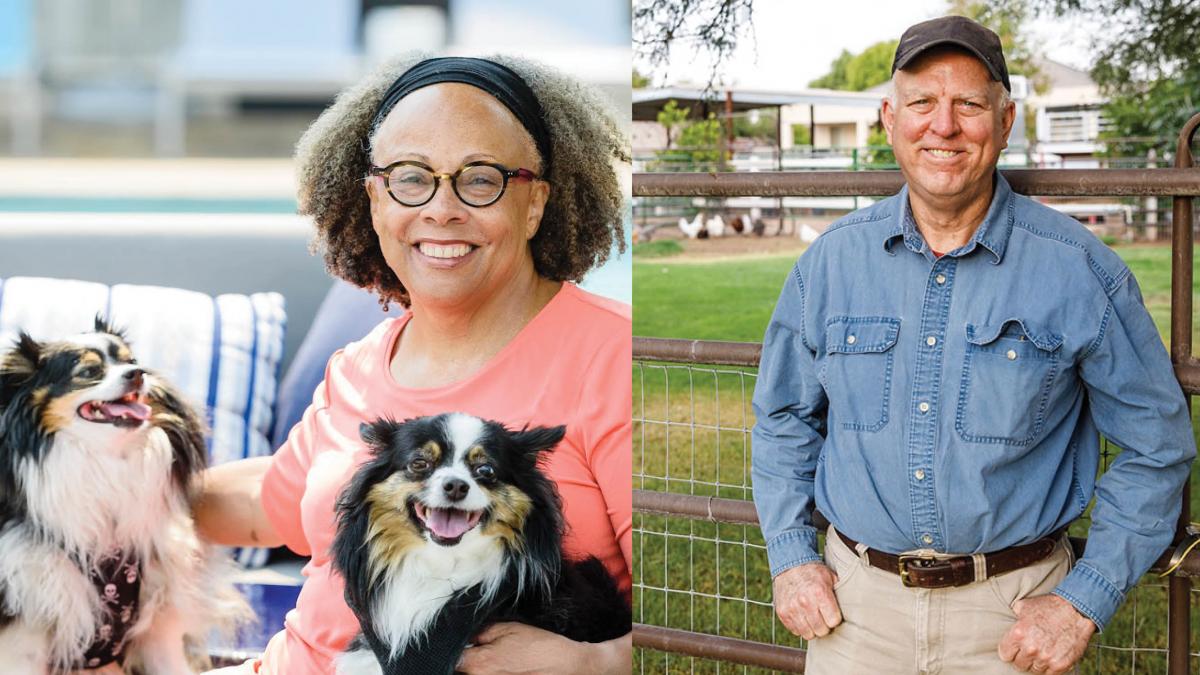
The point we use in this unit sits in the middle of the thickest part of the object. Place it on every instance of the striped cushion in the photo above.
(223, 353)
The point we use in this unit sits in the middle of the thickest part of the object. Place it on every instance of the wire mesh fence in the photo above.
(692, 436)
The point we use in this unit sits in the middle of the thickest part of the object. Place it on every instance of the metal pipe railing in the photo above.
(1042, 182)
(1179, 589)
(741, 512)
(733, 650)
(746, 354)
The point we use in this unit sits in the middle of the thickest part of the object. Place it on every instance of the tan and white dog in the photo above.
(100, 564)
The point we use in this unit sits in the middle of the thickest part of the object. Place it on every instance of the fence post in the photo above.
(1179, 619)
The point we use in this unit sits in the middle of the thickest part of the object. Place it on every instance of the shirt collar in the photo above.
(992, 234)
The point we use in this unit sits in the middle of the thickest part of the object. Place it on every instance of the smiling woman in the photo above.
(474, 193)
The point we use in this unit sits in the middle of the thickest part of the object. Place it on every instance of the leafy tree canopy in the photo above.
(856, 72)
(1146, 64)
(671, 116)
(1008, 19)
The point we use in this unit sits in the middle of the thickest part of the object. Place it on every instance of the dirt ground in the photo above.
(735, 247)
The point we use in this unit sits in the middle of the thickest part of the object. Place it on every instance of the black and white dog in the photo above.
(451, 526)
(99, 558)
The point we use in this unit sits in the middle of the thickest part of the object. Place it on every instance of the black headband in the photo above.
(495, 79)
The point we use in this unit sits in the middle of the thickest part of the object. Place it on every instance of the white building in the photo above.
(1068, 117)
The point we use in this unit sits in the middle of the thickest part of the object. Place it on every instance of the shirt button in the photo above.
(927, 538)
(920, 474)
(941, 278)
(923, 407)
(1012, 355)
(850, 339)
(931, 341)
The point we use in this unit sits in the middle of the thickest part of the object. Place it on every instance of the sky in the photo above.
(794, 41)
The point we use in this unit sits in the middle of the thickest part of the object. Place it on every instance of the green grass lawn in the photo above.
(732, 300)
(691, 436)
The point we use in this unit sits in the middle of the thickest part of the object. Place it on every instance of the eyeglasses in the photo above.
(476, 184)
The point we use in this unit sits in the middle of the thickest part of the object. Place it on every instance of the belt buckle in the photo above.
(905, 559)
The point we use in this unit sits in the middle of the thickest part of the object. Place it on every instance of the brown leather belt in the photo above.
(925, 571)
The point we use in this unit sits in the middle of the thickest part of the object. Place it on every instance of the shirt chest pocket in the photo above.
(858, 370)
(1008, 371)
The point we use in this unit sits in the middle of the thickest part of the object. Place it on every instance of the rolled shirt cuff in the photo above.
(1091, 593)
(792, 548)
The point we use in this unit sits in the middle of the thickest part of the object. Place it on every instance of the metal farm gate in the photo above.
(699, 559)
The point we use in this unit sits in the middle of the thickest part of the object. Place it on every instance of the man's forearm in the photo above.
(789, 407)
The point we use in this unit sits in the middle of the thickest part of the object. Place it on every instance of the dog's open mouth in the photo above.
(127, 411)
(446, 525)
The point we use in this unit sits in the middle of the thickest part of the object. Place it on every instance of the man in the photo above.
(934, 380)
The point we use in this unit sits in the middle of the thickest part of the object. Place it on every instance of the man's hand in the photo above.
(1050, 635)
(516, 648)
(805, 602)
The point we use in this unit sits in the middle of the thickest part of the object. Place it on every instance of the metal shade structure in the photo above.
(647, 102)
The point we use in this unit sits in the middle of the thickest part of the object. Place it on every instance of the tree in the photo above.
(699, 142)
(1145, 65)
(879, 152)
(702, 141)
(857, 72)
(1008, 19)
(710, 26)
(671, 116)
(801, 134)
(836, 77)
(640, 81)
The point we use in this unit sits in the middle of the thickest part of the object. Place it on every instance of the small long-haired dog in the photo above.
(99, 558)
(451, 526)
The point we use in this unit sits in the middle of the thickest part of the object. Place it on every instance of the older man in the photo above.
(935, 378)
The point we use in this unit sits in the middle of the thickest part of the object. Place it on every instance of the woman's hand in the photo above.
(516, 648)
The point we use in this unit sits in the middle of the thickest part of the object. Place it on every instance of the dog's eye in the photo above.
(418, 465)
(90, 372)
(485, 472)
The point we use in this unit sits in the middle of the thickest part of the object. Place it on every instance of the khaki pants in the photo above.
(888, 628)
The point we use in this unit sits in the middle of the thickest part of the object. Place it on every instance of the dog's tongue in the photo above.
(126, 410)
(448, 523)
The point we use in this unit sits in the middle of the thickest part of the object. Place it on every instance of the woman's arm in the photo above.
(229, 508)
(513, 648)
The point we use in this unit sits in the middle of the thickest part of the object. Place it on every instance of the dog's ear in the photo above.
(378, 434)
(543, 528)
(184, 429)
(350, 551)
(103, 324)
(28, 350)
(539, 439)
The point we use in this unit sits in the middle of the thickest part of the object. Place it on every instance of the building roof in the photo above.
(647, 102)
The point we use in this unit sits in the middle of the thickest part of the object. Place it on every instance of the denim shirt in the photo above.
(955, 403)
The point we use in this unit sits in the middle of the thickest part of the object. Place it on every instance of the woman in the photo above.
(489, 184)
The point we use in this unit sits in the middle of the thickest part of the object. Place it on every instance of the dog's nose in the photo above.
(135, 376)
(455, 489)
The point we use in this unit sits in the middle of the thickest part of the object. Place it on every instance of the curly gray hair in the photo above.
(582, 220)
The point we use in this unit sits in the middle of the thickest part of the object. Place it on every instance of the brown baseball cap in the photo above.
(957, 31)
